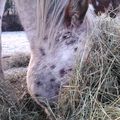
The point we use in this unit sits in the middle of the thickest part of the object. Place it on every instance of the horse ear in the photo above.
(75, 12)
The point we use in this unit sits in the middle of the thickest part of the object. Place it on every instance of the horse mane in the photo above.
(50, 15)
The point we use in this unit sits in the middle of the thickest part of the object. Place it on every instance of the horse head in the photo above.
(58, 47)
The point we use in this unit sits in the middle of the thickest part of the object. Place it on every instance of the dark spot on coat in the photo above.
(69, 42)
(44, 67)
(62, 72)
(39, 83)
(52, 79)
(45, 38)
(0, 17)
(57, 86)
(42, 51)
(37, 95)
(57, 40)
(75, 49)
(57, 89)
(53, 85)
(70, 69)
(57, 92)
(52, 67)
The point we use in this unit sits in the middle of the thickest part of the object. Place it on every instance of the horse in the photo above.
(58, 32)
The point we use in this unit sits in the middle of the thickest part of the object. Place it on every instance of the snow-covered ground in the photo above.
(14, 42)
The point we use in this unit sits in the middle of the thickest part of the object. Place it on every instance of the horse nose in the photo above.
(46, 87)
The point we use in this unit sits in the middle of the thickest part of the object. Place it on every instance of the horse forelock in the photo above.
(50, 16)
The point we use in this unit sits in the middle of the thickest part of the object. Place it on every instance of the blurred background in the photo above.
(14, 39)
(11, 20)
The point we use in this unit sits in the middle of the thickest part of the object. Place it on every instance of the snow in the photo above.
(14, 42)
